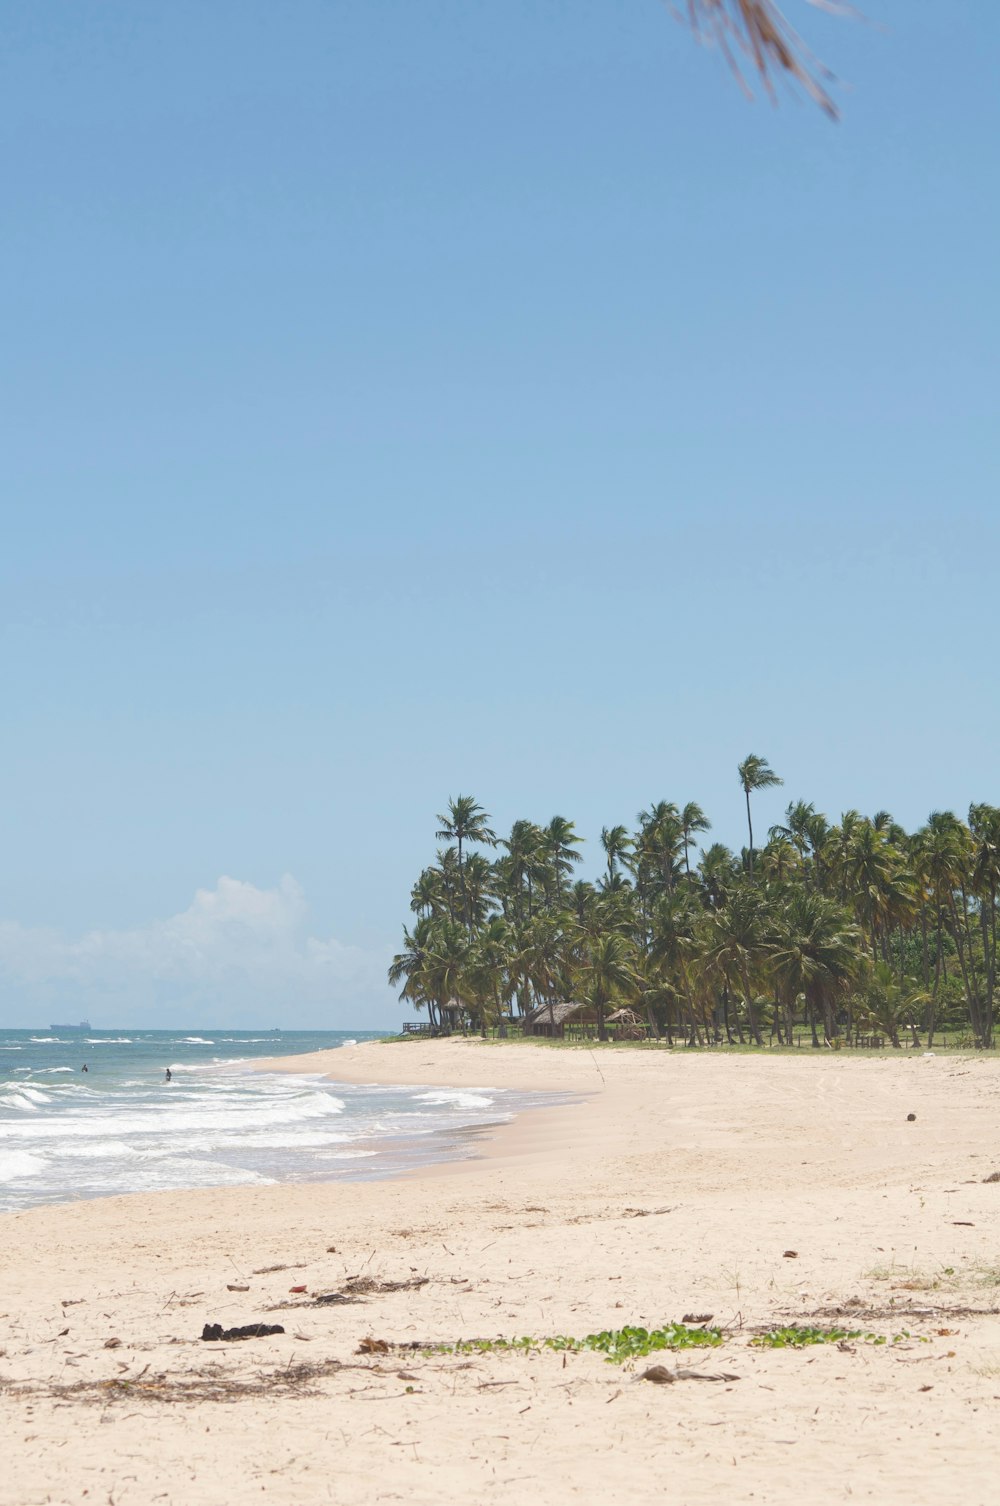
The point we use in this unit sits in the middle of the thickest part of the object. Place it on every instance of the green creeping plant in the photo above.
(617, 1344)
(621, 1344)
(796, 1336)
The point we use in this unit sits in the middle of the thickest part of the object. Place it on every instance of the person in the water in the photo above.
(169, 1075)
(85, 1068)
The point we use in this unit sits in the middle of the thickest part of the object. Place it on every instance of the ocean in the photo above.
(121, 1127)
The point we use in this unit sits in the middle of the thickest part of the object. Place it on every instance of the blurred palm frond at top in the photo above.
(755, 34)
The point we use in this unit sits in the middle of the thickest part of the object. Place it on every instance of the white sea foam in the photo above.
(200, 1112)
(98, 1150)
(15, 1098)
(121, 1128)
(183, 1171)
(44, 1040)
(34, 1094)
(19, 1163)
(443, 1097)
(288, 1139)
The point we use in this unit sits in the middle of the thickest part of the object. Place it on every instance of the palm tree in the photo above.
(780, 861)
(559, 844)
(448, 951)
(755, 774)
(523, 867)
(411, 967)
(657, 846)
(617, 845)
(480, 883)
(816, 952)
(427, 894)
(807, 831)
(946, 856)
(466, 821)
(607, 974)
(583, 900)
(693, 819)
(487, 977)
(873, 878)
(546, 948)
(739, 944)
(717, 872)
(984, 825)
(890, 1005)
(673, 947)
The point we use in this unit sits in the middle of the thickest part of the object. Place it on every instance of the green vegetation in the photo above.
(621, 1344)
(795, 1336)
(856, 933)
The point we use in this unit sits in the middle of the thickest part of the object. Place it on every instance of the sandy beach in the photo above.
(760, 1190)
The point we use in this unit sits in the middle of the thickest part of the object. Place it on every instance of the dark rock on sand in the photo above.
(213, 1331)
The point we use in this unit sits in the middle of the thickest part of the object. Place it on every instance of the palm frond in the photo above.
(757, 32)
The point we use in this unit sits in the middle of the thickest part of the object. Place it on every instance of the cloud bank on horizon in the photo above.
(238, 955)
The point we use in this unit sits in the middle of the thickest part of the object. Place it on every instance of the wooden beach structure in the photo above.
(550, 1019)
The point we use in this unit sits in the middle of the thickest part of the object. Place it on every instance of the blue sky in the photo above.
(412, 397)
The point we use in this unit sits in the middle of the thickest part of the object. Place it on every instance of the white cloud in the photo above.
(236, 955)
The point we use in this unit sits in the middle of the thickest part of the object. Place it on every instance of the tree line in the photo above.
(847, 931)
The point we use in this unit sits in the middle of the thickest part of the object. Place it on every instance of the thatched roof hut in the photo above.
(550, 1019)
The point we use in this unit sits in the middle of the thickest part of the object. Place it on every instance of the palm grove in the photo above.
(840, 931)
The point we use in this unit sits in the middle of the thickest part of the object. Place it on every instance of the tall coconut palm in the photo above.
(487, 976)
(559, 844)
(480, 886)
(779, 861)
(657, 846)
(465, 822)
(693, 822)
(583, 901)
(607, 975)
(807, 831)
(448, 952)
(946, 855)
(411, 967)
(427, 894)
(717, 872)
(984, 825)
(816, 952)
(755, 774)
(673, 946)
(546, 946)
(890, 1005)
(739, 944)
(617, 845)
(873, 877)
(523, 867)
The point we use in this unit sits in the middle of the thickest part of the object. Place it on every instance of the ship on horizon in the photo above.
(83, 1025)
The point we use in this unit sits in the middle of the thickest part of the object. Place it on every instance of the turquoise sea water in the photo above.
(121, 1127)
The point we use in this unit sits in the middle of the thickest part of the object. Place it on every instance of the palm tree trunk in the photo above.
(750, 828)
(751, 1010)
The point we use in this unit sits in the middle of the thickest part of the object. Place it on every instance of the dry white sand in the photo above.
(674, 1187)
